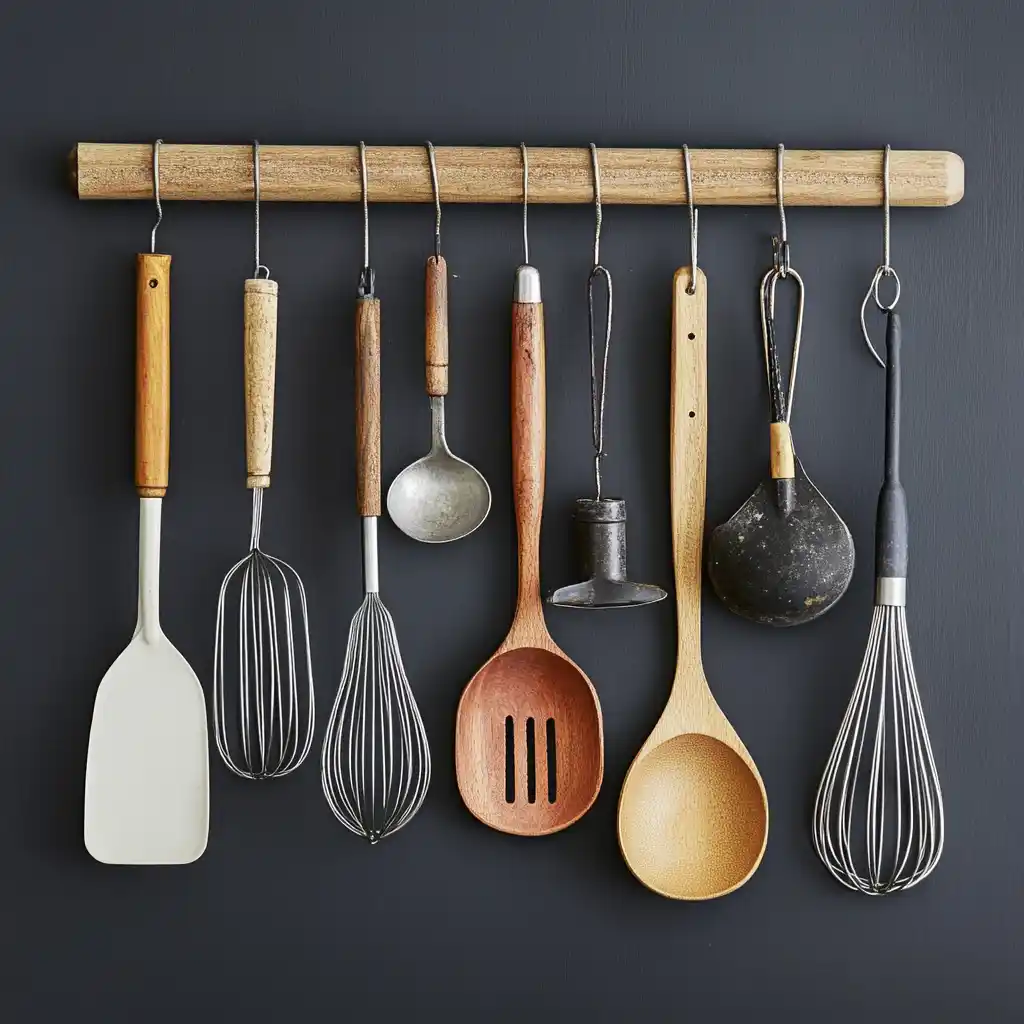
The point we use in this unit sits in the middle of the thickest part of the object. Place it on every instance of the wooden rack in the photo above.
(400, 174)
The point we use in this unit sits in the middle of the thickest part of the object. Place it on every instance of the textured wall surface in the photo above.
(287, 916)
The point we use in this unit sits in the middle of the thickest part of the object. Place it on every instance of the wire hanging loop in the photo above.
(782, 405)
(691, 288)
(156, 193)
(437, 199)
(256, 196)
(526, 197)
(780, 243)
(598, 365)
(884, 269)
(366, 276)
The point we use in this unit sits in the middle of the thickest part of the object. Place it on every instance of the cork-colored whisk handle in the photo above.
(368, 406)
(260, 366)
(152, 374)
(437, 326)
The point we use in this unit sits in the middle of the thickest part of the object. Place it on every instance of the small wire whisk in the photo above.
(263, 702)
(375, 762)
(878, 819)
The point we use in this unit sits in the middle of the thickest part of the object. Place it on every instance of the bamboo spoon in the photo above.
(529, 742)
(693, 814)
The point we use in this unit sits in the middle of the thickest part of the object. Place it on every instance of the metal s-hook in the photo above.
(526, 197)
(256, 196)
(156, 193)
(691, 288)
(366, 281)
(598, 382)
(780, 243)
(437, 199)
(884, 269)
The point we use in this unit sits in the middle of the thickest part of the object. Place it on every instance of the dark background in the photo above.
(287, 916)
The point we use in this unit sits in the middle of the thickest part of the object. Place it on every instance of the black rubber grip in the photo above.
(891, 527)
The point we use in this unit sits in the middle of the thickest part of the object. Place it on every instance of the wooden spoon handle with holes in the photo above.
(152, 374)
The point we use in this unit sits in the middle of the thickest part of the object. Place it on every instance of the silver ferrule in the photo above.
(891, 590)
(371, 577)
(527, 284)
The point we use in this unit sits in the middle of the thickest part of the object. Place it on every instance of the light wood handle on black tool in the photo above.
(260, 364)
(437, 326)
(152, 374)
(783, 464)
(368, 406)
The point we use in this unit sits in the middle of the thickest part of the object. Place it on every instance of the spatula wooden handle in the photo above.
(437, 326)
(260, 364)
(368, 406)
(689, 417)
(152, 374)
(528, 440)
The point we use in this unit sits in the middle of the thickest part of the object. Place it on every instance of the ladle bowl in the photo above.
(693, 812)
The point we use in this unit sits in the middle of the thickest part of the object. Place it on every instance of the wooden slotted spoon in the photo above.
(693, 813)
(529, 741)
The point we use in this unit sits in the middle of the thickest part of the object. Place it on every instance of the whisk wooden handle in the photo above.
(260, 364)
(152, 374)
(368, 406)
(437, 326)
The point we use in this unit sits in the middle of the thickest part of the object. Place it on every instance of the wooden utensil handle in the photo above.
(437, 326)
(368, 406)
(152, 374)
(528, 440)
(260, 365)
(689, 417)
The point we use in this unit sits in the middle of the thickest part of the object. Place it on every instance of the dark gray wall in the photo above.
(288, 916)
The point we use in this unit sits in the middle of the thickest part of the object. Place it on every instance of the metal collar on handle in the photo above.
(156, 193)
(437, 199)
(692, 287)
(884, 269)
(256, 196)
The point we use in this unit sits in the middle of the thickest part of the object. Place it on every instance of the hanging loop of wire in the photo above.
(692, 287)
(437, 199)
(156, 193)
(598, 365)
(366, 281)
(884, 269)
(780, 243)
(256, 194)
(526, 196)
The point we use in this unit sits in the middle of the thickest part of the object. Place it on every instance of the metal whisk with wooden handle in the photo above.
(880, 792)
(375, 764)
(263, 704)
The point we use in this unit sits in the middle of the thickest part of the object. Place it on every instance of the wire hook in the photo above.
(437, 200)
(884, 269)
(256, 195)
(156, 193)
(780, 243)
(366, 276)
(526, 194)
(692, 287)
(598, 383)
(597, 204)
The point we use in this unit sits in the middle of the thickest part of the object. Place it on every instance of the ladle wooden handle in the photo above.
(368, 406)
(437, 326)
(689, 419)
(528, 441)
(260, 366)
(152, 374)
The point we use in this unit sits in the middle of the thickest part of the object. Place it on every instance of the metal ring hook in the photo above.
(768, 285)
(597, 204)
(256, 195)
(156, 193)
(692, 286)
(884, 269)
(366, 274)
(437, 200)
(780, 244)
(526, 195)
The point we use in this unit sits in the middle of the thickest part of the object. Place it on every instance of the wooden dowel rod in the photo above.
(400, 174)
